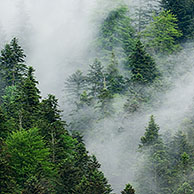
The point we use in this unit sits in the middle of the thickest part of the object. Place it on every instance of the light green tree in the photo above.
(161, 34)
(28, 155)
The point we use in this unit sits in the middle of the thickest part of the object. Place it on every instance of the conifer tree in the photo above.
(75, 85)
(142, 66)
(151, 135)
(156, 162)
(94, 181)
(161, 34)
(28, 156)
(7, 182)
(51, 126)
(95, 78)
(12, 61)
(27, 102)
(3, 128)
(183, 10)
(114, 81)
(116, 33)
(128, 190)
(185, 188)
(105, 102)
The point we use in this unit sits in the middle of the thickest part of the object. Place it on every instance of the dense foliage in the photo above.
(41, 153)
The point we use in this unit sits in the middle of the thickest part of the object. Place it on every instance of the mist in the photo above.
(57, 39)
(55, 36)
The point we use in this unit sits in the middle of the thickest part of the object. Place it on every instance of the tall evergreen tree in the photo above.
(116, 33)
(51, 126)
(183, 10)
(95, 78)
(128, 190)
(161, 34)
(12, 61)
(151, 135)
(7, 181)
(75, 85)
(115, 82)
(27, 102)
(28, 156)
(156, 162)
(142, 66)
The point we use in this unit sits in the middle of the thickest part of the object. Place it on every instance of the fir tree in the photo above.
(75, 85)
(27, 102)
(115, 82)
(28, 155)
(51, 126)
(185, 188)
(116, 33)
(151, 135)
(161, 34)
(128, 190)
(95, 78)
(7, 181)
(142, 66)
(183, 10)
(12, 63)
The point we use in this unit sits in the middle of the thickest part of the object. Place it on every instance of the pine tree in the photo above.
(75, 85)
(156, 162)
(128, 190)
(183, 10)
(7, 182)
(114, 81)
(94, 181)
(12, 61)
(51, 126)
(3, 128)
(105, 102)
(27, 102)
(116, 33)
(95, 78)
(151, 135)
(28, 155)
(185, 188)
(142, 66)
(161, 34)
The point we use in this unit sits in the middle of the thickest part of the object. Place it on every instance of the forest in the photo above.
(126, 124)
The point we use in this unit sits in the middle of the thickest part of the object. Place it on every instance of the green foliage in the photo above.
(3, 128)
(128, 190)
(27, 101)
(78, 171)
(95, 78)
(114, 81)
(12, 63)
(75, 85)
(185, 188)
(104, 102)
(142, 66)
(116, 33)
(161, 34)
(28, 155)
(7, 182)
(51, 126)
(151, 135)
(183, 10)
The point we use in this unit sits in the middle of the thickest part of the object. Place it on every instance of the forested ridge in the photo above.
(138, 54)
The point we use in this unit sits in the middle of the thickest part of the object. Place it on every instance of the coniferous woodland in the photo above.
(40, 153)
